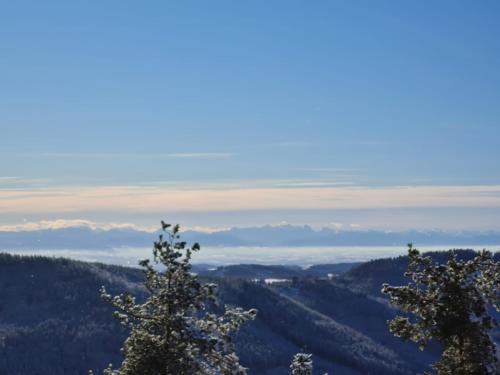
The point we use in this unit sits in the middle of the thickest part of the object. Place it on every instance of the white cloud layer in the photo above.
(27, 226)
(65, 223)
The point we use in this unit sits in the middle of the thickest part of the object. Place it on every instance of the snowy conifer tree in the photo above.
(302, 364)
(450, 303)
(172, 332)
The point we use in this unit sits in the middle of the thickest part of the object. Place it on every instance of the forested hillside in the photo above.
(368, 277)
(52, 320)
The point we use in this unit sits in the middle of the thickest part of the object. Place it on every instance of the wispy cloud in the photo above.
(348, 142)
(9, 182)
(365, 142)
(305, 184)
(100, 155)
(200, 155)
(325, 169)
(292, 144)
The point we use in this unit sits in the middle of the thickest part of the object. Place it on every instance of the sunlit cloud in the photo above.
(160, 199)
(204, 229)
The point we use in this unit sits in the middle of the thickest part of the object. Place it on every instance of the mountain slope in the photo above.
(53, 322)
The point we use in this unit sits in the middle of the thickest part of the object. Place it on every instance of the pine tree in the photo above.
(302, 364)
(450, 303)
(173, 332)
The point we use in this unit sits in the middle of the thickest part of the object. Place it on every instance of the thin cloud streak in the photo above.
(9, 182)
(325, 169)
(306, 184)
(152, 199)
(98, 155)
(201, 155)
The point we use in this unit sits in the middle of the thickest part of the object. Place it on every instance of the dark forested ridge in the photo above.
(52, 320)
(258, 271)
(369, 276)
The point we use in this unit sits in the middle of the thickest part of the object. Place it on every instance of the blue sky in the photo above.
(248, 96)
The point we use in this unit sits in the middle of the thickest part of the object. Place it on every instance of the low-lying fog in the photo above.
(218, 256)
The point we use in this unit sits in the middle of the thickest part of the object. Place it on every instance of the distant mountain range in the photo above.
(84, 237)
